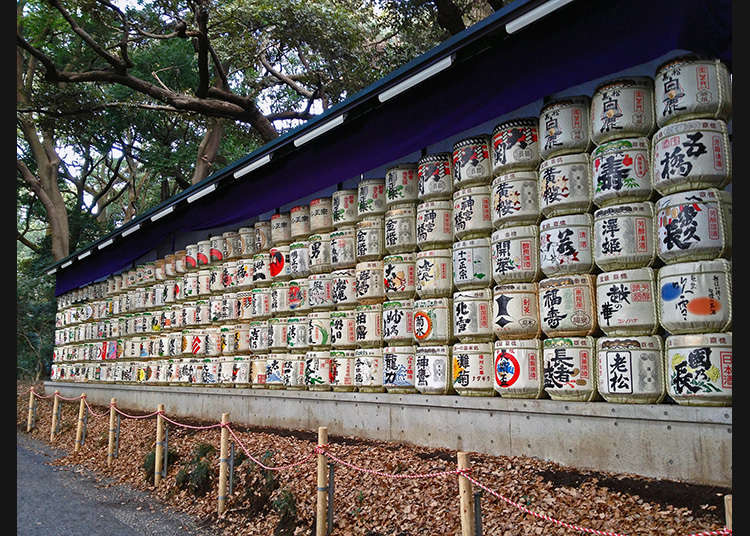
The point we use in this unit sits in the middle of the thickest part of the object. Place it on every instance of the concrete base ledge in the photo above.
(684, 443)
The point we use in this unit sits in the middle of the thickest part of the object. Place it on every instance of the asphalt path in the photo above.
(70, 501)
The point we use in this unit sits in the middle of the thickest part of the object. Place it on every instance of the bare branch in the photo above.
(284, 78)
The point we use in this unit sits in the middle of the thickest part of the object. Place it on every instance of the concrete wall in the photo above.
(690, 444)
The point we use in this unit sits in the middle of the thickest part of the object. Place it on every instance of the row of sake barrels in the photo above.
(690, 369)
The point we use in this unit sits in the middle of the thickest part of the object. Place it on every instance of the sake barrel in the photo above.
(343, 329)
(565, 185)
(399, 276)
(369, 282)
(321, 215)
(241, 371)
(296, 334)
(262, 236)
(370, 198)
(274, 370)
(280, 298)
(432, 368)
(245, 298)
(343, 248)
(435, 273)
(241, 333)
(471, 213)
(318, 370)
(569, 373)
(344, 208)
(299, 259)
(294, 372)
(472, 310)
(247, 242)
(278, 263)
(398, 322)
(215, 285)
(625, 236)
(401, 184)
(319, 252)
(257, 336)
(621, 172)
(368, 370)
(471, 161)
(515, 145)
(694, 225)
(472, 369)
(434, 224)
(622, 108)
(398, 369)
(567, 305)
(565, 245)
(281, 229)
(433, 321)
(297, 299)
(631, 369)
(519, 368)
(515, 254)
(343, 288)
(369, 325)
(695, 297)
(277, 334)
(400, 228)
(258, 372)
(191, 261)
(691, 87)
(203, 255)
(515, 311)
(564, 124)
(299, 221)
(435, 176)
(261, 270)
(370, 243)
(319, 330)
(319, 292)
(699, 369)
(261, 303)
(472, 264)
(342, 366)
(690, 155)
(515, 199)
(627, 302)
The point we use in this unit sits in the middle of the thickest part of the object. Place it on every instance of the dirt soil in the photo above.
(282, 502)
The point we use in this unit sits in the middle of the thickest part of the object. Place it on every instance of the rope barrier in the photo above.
(163, 416)
(392, 475)
(93, 412)
(69, 399)
(258, 462)
(135, 416)
(43, 396)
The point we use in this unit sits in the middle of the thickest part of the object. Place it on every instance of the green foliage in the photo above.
(149, 463)
(197, 474)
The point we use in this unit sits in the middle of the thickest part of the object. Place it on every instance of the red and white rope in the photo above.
(257, 461)
(390, 475)
(93, 412)
(136, 416)
(163, 416)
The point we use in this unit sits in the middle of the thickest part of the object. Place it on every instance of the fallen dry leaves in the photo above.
(371, 505)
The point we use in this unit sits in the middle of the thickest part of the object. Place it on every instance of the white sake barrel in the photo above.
(472, 217)
(281, 229)
(294, 372)
(342, 366)
(278, 263)
(319, 292)
(297, 298)
(319, 330)
(218, 250)
(569, 373)
(565, 185)
(567, 305)
(296, 334)
(399, 276)
(274, 370)
(370, 244)
(369, 325)
(471, 161)
(318, 370)
(343, 248)
(699, 369)
(262, 236)
(343, 288)
(565, 245)
(216, 283)
(515, 311)
(299, 259)
(398, 369)
(258, 372)
(433, 321)
(690, 87)
(261, 270)
(321, 215)
(519, 368)
(472, 369)
(241, 371)
(564, 126)
(694, 225)
(627, 302)
(204, 279)
(261, 303)
(344, 208)
(472, 310)
(247, 242)
(631, 369)
(434, 224)
(515, 254)
(472, 264)
(280, 298)
(202, 313)
(695, 297)
(398, 322)
(435, 176)
(368, 370)
(257, 336)
(203, 255)
(343, 329)
(370, 198)
(691, 155)
(401, 184)
(299, 221)
(621, 172)
(231, 307)
(432, 370)
(319, 253)
(369, 282)
(625, 236)
(622, 108)
(400, 229)
(515, 199)
(191, 261)
(277, 334)
(515, 145)
(213, 342)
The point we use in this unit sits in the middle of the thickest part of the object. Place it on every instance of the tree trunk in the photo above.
(208, 150)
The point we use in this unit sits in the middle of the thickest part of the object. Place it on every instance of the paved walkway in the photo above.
(69, 501)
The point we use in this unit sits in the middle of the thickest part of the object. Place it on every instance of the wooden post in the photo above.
(111, 445)
(79, 429)
(55, 404)
(321, 518)
(466, 498)
(728, 510)
(223, 463)
(32, 401)
(159, 446)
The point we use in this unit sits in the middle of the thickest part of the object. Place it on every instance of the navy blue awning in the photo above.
(493, 75)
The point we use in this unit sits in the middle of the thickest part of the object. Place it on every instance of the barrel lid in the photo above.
(576, 100)
(518, 231)
(631, 81)
(695, 267)
(515, 175)
(644, 342)
(477, 139)
(532, 122)
(685, 58)
(519, 287)
(619, 145)
(636, 209)
(575, 158)
(401, 257)
(435, 157)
